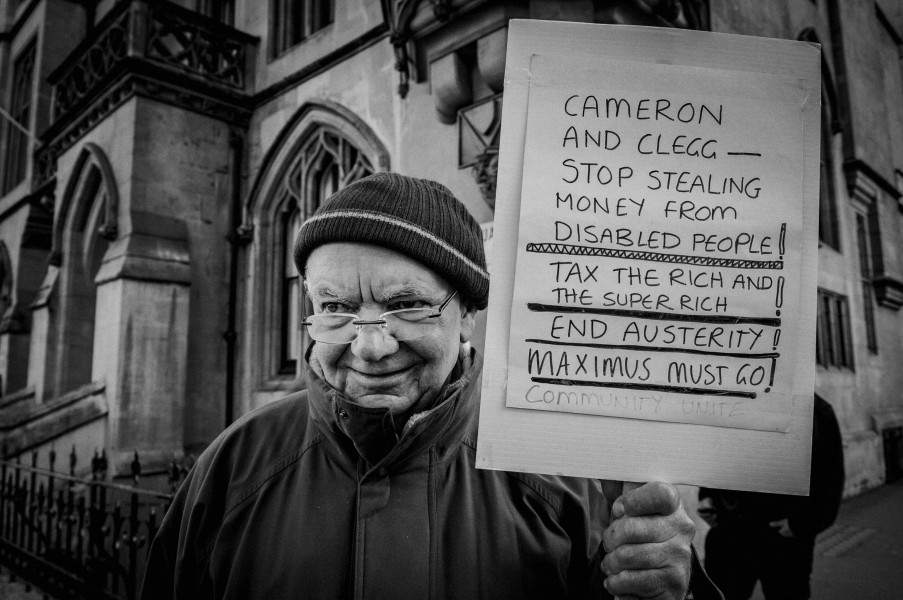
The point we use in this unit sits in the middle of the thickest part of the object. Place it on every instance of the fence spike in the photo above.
(136, 468)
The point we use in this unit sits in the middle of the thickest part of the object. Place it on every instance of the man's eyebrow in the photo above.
(408, 289)
(392, 292)
(325, 291)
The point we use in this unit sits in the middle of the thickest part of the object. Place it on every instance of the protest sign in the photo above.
(653, 277)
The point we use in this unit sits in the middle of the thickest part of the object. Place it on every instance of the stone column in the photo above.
(141, 340)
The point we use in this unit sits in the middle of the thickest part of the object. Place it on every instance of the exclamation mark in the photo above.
(781, 238)
(777, 338)
(774, 362)
(779, 295)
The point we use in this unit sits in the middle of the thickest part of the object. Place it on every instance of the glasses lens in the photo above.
(410, 315)
(332, 328)
(340, 328)
(409, 323)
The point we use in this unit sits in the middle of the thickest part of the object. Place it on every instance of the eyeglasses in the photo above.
(403, 324)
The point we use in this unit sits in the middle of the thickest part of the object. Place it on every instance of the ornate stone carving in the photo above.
(92, 65)
(889, 292)
(479, 128)
(687, 14)
(194, 48)
(485, 172)
(167, 53)
(441, 10)
(399, 14)
(108, 231)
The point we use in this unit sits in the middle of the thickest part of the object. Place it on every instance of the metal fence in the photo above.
(77, 538)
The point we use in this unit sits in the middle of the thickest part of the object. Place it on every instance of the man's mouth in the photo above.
(381, 374)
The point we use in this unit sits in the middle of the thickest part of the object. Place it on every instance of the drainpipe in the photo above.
(237, 237)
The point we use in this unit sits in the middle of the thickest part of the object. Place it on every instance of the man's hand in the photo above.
(648, 544)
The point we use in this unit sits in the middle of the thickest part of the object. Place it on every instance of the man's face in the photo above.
(375, 369)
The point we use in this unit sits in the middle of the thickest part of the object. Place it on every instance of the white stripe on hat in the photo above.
(374, 216)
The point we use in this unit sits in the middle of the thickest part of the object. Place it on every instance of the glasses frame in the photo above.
(381, 321)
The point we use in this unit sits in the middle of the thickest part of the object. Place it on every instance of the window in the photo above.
(321, 149)
(6, 280)
(832, 336)
(326, 163)
(15, 160)
(24, 283)
(866, 270)
(87, 225)
(84, 253)
(296, 20)
(828, 230)
(290, 343)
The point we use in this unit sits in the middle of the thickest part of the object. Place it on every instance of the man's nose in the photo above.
(373, 343)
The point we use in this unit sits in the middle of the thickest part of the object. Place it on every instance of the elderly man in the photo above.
(364, 485)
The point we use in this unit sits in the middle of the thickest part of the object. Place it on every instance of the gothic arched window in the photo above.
(88, 226)
(326, 163)
(323, 148)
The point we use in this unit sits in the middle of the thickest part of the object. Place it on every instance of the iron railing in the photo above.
(77, 538)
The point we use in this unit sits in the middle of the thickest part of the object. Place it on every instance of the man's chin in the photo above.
(395, 404)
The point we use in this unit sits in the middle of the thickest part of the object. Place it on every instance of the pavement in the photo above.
(861, 555)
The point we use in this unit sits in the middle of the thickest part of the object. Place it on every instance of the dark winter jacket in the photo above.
(807, 515)
(315, 496)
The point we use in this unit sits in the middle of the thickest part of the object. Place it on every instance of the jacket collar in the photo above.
(372, 432)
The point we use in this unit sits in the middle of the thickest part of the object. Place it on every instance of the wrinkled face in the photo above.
(375, 369)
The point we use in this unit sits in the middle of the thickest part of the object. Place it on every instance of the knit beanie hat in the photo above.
(416, 217)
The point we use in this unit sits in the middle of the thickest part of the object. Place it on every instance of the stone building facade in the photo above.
(157, 157)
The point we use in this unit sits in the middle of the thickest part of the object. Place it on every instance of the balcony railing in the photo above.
(152, 48)
(155, 34)
(77, 538)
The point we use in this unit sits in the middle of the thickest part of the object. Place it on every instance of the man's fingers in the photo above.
(641, 556)
(642, 530)
(648, 544)
(650, 499)
(659, 583)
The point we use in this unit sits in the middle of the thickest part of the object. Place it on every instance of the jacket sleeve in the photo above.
(815, 513)
(159, 574)
(701, 585)
(178, 559)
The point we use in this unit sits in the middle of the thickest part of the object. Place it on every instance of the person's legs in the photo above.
(730, 560)
(786, 568)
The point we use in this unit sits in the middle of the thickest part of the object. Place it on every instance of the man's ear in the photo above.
(468, 322)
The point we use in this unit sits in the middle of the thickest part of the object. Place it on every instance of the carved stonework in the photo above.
(479, 130)
(441, 10)
(399, 14)
(167, 53)
(196, 48)
(402, 63)
(108, 231)
(485, 172)
(81, 78)
(58, 140)
(889, 292)
(685, 14)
